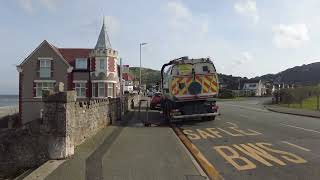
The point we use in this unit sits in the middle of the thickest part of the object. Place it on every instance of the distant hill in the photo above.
(307, 74)
(149, 76)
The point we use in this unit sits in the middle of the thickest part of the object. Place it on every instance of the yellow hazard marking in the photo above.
(184, 69)
(238, 155)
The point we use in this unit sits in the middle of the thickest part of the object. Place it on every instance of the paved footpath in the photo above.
(132, 152)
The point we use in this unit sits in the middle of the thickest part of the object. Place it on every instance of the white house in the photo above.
(254, 88)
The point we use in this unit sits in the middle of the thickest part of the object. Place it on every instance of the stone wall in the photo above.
(21, 149)
(65, 124)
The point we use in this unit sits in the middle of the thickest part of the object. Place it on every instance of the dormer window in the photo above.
(81, 63)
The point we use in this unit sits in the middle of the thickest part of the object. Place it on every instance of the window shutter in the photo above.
(52, 68)
(34, 89)
(88, 89)
(114, 89)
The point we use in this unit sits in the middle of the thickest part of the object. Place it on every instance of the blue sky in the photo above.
(243, 37)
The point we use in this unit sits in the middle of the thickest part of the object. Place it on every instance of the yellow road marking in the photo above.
(233, 155)
(285, 155)
(210, 170)
(233, 124)
(297, 146)
(297, 127)
(260, 151)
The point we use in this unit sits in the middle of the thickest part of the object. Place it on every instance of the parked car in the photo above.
(155, 101)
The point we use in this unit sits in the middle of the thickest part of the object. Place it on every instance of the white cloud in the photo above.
(179, 10)
(243, 58)
(290, 36)
(205, 26)
(49, 4)
(184, 20)
(26, 5)
(247, 8)
(112, 24)
(30, 5)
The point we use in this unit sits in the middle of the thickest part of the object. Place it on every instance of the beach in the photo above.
(8, 105)
(8, 110)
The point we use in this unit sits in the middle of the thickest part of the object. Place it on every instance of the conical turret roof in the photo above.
(103, 40)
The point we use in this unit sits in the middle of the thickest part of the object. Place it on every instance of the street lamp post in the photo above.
(141, 44)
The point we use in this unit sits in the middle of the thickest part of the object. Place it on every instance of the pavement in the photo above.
(294, 111)
(127, 151)
(250, 142)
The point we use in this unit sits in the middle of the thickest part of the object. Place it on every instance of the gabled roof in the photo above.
(55, 49)
(103, 40)
(70, 54)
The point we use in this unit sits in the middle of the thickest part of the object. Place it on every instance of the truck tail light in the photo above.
(215, 107)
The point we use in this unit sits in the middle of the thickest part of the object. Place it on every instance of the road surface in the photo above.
(249, 142)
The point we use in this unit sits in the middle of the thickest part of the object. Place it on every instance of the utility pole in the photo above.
(141, 44)
(121, 89)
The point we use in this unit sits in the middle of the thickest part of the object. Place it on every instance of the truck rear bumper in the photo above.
(195, 115)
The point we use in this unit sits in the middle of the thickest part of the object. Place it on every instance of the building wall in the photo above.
(81, 76)
(31, 106)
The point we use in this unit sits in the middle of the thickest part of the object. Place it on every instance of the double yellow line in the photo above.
(210, 170)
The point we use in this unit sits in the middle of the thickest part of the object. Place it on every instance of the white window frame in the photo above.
(102, 62)
(43, 85)
(99, 89)
(45, 64)
(93, 90)
(110, 87)
(81, 89)
(80, 63)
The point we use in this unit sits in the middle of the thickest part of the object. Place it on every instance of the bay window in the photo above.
(110, 89)
(80, 88)
(43, 86)
(94, 94)
(101, 89)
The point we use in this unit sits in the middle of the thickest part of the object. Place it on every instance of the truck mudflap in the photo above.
(195, 115)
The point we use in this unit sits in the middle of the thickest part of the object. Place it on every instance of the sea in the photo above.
(9, 100)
